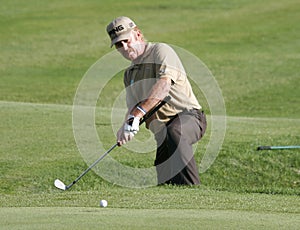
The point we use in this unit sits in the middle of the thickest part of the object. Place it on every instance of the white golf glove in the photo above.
(130, 128)
(132, 124)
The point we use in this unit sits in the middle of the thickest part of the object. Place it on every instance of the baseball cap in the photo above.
(119, 29)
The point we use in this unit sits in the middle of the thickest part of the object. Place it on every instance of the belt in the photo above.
(195, 110)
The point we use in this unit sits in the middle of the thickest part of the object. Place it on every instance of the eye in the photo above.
(119, 45)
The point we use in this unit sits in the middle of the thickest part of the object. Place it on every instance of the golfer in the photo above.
(156, 72)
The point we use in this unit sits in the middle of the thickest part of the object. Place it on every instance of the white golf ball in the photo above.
(103, 203)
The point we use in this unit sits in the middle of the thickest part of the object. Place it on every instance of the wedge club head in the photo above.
(59, 184)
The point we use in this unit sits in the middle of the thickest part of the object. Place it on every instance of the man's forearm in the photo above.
(158, 92)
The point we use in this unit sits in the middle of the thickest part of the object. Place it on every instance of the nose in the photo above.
(125, 45)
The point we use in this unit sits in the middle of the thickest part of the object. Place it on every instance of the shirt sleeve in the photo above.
(168, 63)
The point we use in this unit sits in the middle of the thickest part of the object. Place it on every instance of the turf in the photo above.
(41, 218)
(252, 49)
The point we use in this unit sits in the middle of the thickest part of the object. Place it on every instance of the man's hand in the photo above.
(129, 129)
(132, 124)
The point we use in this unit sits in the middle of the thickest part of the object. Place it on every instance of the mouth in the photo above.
(128, 54)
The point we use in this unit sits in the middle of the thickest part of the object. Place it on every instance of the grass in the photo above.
(118, 218)
(252, 49)
(43, 137)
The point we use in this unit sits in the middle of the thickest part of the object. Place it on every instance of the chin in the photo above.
(132, 56)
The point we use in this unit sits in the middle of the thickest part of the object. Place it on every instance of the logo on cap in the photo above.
(113, 32)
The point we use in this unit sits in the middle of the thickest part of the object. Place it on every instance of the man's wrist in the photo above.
(138, 111)
(141, 109)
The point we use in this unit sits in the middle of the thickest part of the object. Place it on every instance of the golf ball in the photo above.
(103, 203)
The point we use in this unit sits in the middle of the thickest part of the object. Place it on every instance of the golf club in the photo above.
(277, 147)
(60, 185)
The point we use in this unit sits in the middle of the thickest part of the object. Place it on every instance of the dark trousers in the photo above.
(175, 163)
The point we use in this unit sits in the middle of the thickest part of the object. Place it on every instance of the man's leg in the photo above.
(174, 161)
(162, 162)
(183, 132)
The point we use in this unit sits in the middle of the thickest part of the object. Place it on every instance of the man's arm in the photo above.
(158, 92)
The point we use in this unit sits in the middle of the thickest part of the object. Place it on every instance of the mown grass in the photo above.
(148, 219)
(252, 49)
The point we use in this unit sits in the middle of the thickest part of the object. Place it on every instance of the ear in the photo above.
(139, 35)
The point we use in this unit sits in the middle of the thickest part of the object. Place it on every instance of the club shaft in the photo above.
(92, 165)
(155, 109)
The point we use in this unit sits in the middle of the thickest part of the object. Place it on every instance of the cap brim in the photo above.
(122, 37)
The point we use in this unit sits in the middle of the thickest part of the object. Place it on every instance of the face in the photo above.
(132, 48)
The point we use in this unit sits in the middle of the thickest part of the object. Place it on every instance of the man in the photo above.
(155, 72)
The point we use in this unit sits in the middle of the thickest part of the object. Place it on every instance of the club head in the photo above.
(60, 185)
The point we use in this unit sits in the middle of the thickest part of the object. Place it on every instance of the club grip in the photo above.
(155, 109)
(264, 148)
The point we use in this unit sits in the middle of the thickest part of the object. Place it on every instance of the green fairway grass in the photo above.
(251, 47)
(80, 218)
